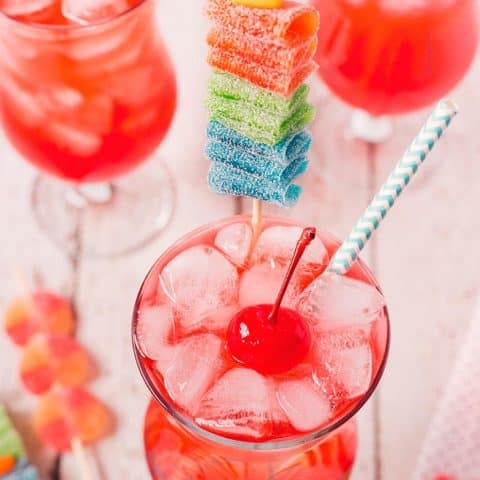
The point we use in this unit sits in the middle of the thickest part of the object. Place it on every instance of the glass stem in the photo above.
(85, 194)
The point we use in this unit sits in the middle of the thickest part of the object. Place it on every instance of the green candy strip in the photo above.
(230, 87)
(255, 113)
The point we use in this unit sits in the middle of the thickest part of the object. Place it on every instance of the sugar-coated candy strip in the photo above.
(254, 164)
(280, 81)
(261, 51)
(292, 22)
(289, 148)
(231, 181)
(233, 88)
(259, 125)
(262, 129)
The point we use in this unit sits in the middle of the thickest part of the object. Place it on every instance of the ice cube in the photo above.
(73, 140)
(25, 8)
(196, 364)
(235, 241)
(239, 403)
(306, 407)
(155, 326)
(133, 86)
(28, 109)
(262, 283)
(199, 282)
(279, 243)
(343, 362)
(335, 301)
(61, 98)
(91, 11)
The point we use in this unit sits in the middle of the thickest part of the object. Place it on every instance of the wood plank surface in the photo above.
(424, 257)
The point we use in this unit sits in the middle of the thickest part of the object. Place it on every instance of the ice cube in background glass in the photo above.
(304, 404)
(91, 11)
(61, 98)
(27, 108)
(239, 403)
(196, 364)
(73, 140)
(234, 241)
(155, 326)
(261, 284)
(334, 301)
(344, 361)
(280, 242)
(199, 282)
(25, 8)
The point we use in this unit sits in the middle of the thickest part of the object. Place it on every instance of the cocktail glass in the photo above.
(86, 103)
(211, 418)
(389, 57)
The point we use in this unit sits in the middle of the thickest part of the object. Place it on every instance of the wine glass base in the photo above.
(103, 220)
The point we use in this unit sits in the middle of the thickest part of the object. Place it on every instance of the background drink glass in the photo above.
(87, 104)
(388, 57)
(176, 445)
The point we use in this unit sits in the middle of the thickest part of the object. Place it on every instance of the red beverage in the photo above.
(85, 99)
(395, 56)
(221, 417)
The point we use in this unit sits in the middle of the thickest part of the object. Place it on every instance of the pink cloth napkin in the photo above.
(451, 450)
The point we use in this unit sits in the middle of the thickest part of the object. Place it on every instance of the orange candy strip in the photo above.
(68, 413)
(279, 81)
(53, 358)
(265, 53)
(43, 312)
(291, 23)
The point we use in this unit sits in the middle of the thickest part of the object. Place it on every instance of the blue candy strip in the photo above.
(251, 163)
(289, 148)
(229, 180)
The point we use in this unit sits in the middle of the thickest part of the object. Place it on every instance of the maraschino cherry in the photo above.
(272, 339)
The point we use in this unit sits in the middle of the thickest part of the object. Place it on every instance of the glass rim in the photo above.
(269, 445)
(74, 27)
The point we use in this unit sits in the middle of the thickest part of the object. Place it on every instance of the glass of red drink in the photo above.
(388, 57)
(213, 417)
(87, 93)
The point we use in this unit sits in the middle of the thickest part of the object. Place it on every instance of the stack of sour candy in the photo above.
(261, 52)
(13, 459)
(55, 367)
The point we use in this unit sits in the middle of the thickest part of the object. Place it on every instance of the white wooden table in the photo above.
(425, 257)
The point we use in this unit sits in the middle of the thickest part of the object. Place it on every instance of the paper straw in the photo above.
(389, 192)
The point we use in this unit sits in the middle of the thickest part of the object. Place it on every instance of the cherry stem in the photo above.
(308, 235)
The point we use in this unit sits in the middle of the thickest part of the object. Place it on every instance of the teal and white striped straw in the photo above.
(400, 177)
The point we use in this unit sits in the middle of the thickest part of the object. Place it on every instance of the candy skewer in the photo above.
(23, 287)
(405, 169)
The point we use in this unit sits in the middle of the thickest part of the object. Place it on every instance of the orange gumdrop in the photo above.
(19, 322)
(68, 413)
(7, 464)
(53, 358)
(42, 312)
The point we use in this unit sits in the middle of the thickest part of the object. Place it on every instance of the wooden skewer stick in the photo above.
(81, 459)
(256, 219)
